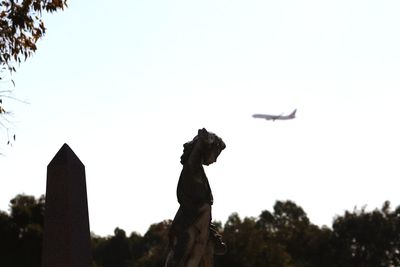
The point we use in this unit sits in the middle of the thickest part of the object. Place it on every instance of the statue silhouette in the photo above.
(193, 240)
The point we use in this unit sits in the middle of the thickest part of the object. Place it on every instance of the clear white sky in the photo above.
(126, 83)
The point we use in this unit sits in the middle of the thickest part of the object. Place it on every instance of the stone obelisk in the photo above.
(66, 239)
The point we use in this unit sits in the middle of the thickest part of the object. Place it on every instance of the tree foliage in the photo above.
(21, 232)
(284, 237)
(368, 238)
(21, 26)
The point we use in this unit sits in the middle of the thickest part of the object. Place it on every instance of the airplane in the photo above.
(276, 117)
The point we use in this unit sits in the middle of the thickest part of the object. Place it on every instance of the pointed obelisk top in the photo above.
(65, 156)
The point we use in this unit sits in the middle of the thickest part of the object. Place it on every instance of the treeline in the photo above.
(283, 237)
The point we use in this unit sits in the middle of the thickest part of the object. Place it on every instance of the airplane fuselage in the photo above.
(275, 117)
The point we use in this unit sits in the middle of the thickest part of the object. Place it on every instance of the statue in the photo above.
(193, 240)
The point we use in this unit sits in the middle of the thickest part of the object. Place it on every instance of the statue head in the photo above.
(210, 144)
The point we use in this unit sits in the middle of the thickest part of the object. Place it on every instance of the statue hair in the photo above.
(211, 139)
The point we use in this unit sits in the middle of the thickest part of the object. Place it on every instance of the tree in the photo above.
(4, 122)
(7, 241)
(119, 250)
(282, 238)
(291, 223)
(21, 232)
(113, 251)
(21, 26)
(363, 238)
(155, 245)
(251, 244)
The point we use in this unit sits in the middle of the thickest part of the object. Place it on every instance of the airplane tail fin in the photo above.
(293, 114)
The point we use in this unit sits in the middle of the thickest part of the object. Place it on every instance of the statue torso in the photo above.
(193, 187)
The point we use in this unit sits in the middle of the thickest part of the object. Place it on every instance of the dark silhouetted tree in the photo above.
(363, 238)
(8, 240)
(22, 231)
(136, 242)
(282, 238)
(307, 244)
(252, 242)
(155, 244)
(113, 251)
